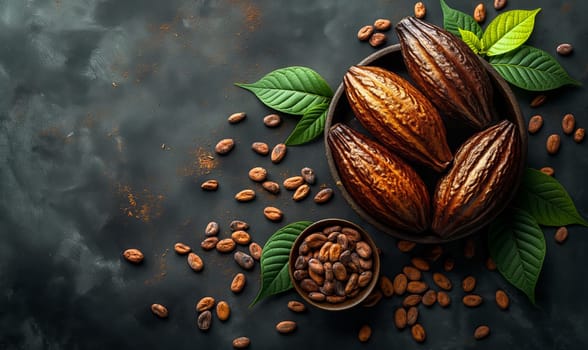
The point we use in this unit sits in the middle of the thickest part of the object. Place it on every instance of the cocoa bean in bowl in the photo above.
(334, 264)
(412, 163)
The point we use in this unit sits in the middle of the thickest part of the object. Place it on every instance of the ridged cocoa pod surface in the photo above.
(398, 115)
(483, 175)
(381, 183)
(447, 71)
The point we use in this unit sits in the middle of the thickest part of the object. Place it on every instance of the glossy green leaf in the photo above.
(531, 69)
(508, 31)
(310, 126)
(291, 90)
(547, 200)
(453, 20)
(470, 39)
(274, 260)
(517, 245)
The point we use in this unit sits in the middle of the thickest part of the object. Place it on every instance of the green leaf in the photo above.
(546, 199)
(531, 69)
(453, 20)
(470, 39)
(310, 126)
(291, 90)
(508, 31)
(517, 245)
(274, 260)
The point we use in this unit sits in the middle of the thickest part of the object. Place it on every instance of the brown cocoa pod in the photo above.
(482, 177)
(397, 115)
(362, 162)
(447, 71)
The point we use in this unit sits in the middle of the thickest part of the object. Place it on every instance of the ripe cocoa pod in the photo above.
(379, 181)
(398, 115)
(447, 71)
(483, 175)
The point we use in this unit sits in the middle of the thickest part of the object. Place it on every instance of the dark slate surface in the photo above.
(108, 111)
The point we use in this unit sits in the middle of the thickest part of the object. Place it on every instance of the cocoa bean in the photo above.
(382, 24)
(329, 274)
(481, 332)
(468, 284)
(335, 252)
(224, 146)
(236, 117)
(204, 320)
(472, 300)
(296, 306)
(561, 234)
(317, 296)
(308, 285)
(258, 174)
(272, 120)
(223, 310)
(260, 148)
(416, 287)
(343, 241)
(469, 248)
(352, 283)
(205, 303)
(365, 32)
(568, 123)
(299, 275)
(301, 192)
(293, 182)
(499, 4)
(400, 282)
(412, 315)
(405, 246)
(418, 333)
(412, 273)
(386, 286)
(238, 283)
(226, 245)
(273, 214)
(133, 255)
(209, 185)
(330, 229)
(278, 153)
(301, 262)
(412, 300)
(443, 298)
(564, 49)
(336, 299)
(195, 262)
(315, 240)
(420, 264)
(579, 135)
(285, 327)
(365, 332)
(182, 248)
(429, 298)
(324, 195)
(159, 310)
(490, 264)
(212, 229)
(241, 237)
(352, 234)
(241, 342)
(400, 318)
(538, 101)
(448, 264)
(271, 187)
(237, 225)
(420, 11)
(245, 195)
(244, 260)
(480, 13)
(308, 175)
(547, 170)
(502, 299)
(378, 39)
(553, 143)
(255, 250)
(363, 250)
(209, 243)
(535, 124)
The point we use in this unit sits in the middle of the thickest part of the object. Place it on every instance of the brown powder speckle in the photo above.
(143, 205)
(202, 163)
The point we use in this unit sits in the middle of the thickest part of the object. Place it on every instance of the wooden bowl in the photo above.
(364, 292)
(390, 58)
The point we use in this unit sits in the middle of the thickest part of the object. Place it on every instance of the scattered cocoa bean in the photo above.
(568, 123)
(400, 282)
(538, 101)
(301, 192)
(535, 124)
(400, 318)
(182, 248)
(225, 245)
(412, 300)
(499, 4)
(241, 342)
(412, 273)
(429, 298)
(285, 327)
(553, 143)
(273, 214)
(412, 315)
(386, 286)
(205, 303)
(468, 284)
(296, 306)
(260, 148)
(236, 117)
(223, 310)
(564, 49)
(420, 264)
(224, 146)
(237, 225)
(480, 13)
(365, 32)
(204, 320)
(382, 24)
(420, 11)
(472, 300)
(241, 237)
(418, 333)
(443, 298)
(365, 332)
(405, 246)
(442, 281)
(378, 39)
(293, 182)
(547, 170)
(255, 250)
(244, 260)
(159, 310)
(416, 287)
(133, 255)
(209, 185)
(209, 243)
(271, 187)
(258, 174)
(561, 234)
(502, 299)
(278, 153)
(308, 175)
(272, 120)
(245, 195)
(481, 332)
(212, 229)
(195, 262)
(579, 135)
(238, 283)
(323, 195)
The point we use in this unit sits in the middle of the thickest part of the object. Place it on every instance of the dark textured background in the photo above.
(91, 90)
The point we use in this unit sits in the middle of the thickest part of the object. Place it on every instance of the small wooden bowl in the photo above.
(364, 293)
(390, 58)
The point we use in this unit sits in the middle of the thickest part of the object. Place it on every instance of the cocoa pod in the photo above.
(447, 71)
(483, 175)
(398, 115)
(379, 181)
